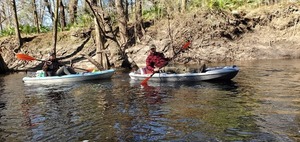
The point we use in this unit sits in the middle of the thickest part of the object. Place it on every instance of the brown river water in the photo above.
(261, 104)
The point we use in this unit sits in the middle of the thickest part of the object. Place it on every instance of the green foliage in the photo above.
(196, 3)
(7, 32)
(154, 13)
(44, 29)
(25, 29)
(83, 20)
(224, 4)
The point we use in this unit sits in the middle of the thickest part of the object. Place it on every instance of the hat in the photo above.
(152, 46)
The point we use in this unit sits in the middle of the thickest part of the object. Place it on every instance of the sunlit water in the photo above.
(261, 104)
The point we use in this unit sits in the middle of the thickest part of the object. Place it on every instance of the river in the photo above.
(260, 104)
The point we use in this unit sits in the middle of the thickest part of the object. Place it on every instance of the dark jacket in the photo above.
(51, 66)
(156, 59)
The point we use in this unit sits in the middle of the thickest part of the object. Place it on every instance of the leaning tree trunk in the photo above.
(18, 34)
(108, 39)
(101, 56)
(3, 66)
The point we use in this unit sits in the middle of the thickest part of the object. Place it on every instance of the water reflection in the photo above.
(261, 104)
(205, 112)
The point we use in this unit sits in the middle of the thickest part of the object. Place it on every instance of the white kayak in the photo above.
(84, 76)
(217, 73)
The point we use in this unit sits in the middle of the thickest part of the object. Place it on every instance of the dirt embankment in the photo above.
(217, 36)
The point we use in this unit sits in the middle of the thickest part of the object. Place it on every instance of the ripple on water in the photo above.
(260, 104)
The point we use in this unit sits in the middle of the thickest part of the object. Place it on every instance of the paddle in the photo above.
(185, 46)
(26, 57)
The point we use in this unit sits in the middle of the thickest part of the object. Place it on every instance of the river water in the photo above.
(261, 104)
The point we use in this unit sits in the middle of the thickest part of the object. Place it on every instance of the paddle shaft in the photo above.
(29, 58)
(175, 55)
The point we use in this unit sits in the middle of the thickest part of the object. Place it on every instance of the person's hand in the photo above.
(156, 69)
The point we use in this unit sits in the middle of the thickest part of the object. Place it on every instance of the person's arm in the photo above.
(45, 66)
(59, 64)
(165, 58)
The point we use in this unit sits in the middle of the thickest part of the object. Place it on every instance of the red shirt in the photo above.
(156, 59)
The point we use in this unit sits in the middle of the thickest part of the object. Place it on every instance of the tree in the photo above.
(48, 6)
(126, 11)
(101, 57)
(138, 26)
(106, 38)
(3, 66)
(1, 27)
(17, 31)
(122, 22)
(183, 5)
(36, 17)
(62, 15)
(55, 27)
(73, 10)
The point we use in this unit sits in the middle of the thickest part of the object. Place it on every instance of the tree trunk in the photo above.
(3, 66)
(100, 56)
(107, 38)
(36, 18)
(1, 28)
(126, 10)
(62, 15)
(94, 62)
(73, 10)
(55, 27)
(138, 27)
(18, 34)
(48, 5)
(183, 5)
(131, 2)
(122, 22)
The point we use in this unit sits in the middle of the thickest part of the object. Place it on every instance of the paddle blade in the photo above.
(90, 70)
(186, 45)
(24, 57)
(144, 82)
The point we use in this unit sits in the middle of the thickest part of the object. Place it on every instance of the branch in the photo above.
(94, 62)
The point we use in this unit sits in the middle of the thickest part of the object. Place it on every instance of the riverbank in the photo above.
(270, 32)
